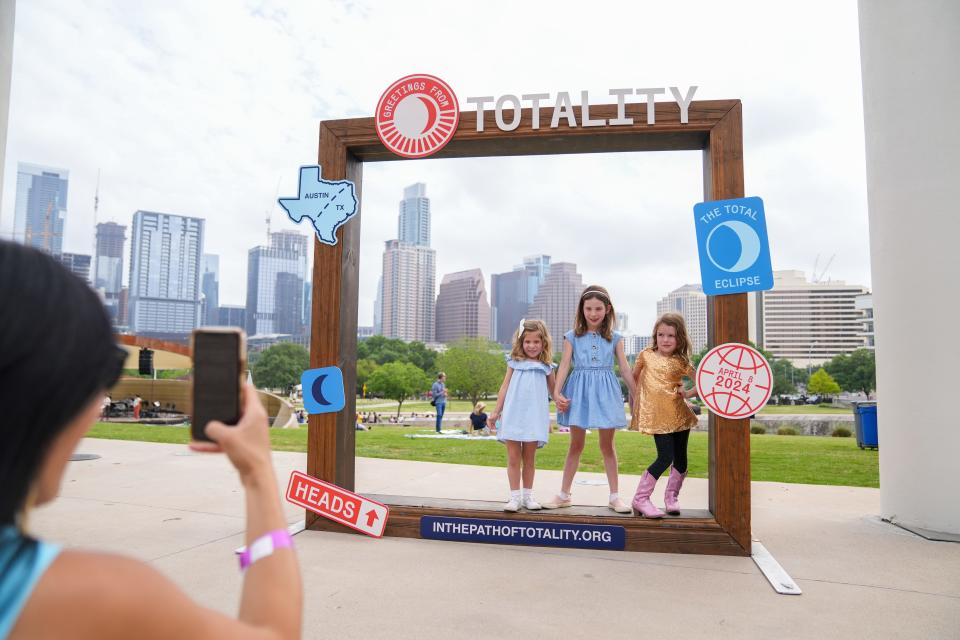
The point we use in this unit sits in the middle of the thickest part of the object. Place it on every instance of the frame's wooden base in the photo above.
(695, 531)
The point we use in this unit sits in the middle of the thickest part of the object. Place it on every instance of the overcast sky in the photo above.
(202, 108)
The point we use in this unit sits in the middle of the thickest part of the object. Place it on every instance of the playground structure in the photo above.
(713, 127)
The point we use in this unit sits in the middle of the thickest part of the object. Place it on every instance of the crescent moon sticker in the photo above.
(431, 113)
(318, 391)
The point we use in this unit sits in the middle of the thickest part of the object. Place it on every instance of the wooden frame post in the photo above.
(715, 127)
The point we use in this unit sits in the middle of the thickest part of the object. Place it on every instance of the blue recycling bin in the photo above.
(865, 418)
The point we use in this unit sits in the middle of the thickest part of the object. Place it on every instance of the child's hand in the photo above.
(492, 420)
(563, 403)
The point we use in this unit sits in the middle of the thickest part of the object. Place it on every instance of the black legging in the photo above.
(671, 449)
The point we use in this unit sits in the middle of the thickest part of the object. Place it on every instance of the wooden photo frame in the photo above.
(715, 128)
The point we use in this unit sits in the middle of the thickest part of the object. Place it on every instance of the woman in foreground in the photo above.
(57, 360)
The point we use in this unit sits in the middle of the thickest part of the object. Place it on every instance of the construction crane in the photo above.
(814, 277)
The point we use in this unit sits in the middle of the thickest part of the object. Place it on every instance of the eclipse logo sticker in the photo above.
(417, 115)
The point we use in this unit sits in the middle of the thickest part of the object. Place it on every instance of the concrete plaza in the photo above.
(183, 513)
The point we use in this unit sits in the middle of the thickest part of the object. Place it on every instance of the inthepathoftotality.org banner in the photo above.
(549, 534)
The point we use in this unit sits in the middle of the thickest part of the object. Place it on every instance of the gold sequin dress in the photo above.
(657, 408)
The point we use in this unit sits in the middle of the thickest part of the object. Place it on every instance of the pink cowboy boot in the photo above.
(641, 500)
(670, 494)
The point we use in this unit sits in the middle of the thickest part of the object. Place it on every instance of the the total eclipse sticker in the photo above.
(417, 115)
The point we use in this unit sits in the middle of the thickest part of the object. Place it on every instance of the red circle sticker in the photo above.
(417, 115)
(734, 380)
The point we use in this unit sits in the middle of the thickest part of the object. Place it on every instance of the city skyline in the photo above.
(218, 140)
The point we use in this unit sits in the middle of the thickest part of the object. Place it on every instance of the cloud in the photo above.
(201, 108)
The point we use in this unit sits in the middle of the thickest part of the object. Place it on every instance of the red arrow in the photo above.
(371, 517)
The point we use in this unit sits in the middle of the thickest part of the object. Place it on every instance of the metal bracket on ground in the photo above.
(778, 578)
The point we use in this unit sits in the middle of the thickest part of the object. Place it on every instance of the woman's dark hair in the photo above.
(56, 353)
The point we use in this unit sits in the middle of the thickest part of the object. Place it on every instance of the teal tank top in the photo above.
(22, 563)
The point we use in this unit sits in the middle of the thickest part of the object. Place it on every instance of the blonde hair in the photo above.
(478, 408)
(546, 354)
(595, 292)
(676, 321)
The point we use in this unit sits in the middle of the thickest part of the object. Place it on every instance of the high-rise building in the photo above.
(40, 208)
(108, 266)
(231, 316)
(462, 307)
(632, 345)
(413, 224)
(378, 308)
(409, 285)
(810, 322)
(307, 304)
(512, 293)
(275, 277)
(165, 262)
(623, 322)
(78, 263)
(865, 304)
(123, 307)
(210, 288)
(556, 300)
(691, 303)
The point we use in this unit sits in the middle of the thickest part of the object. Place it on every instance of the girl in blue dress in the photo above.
(523, 408)
(591, 397)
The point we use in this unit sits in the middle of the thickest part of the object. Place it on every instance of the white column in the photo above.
(7, 15)
(911, 99)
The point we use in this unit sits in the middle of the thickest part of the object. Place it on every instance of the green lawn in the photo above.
(388, 407)
(802, 459)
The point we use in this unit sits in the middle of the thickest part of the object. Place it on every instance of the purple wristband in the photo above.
(264, 546)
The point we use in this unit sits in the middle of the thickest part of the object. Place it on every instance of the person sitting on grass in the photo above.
(478, 419)
(50, 592)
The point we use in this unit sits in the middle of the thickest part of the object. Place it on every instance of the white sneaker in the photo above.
(531, 504)
(513, 505)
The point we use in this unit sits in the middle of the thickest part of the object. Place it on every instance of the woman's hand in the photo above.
(247, 444)
(563, 402)
(492, 419)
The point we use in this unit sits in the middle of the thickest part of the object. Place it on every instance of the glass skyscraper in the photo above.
(108, 267)
(165, 262)
(40, 208)
(275, 279)
(413, 225)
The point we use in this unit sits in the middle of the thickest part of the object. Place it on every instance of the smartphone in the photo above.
(219, 363)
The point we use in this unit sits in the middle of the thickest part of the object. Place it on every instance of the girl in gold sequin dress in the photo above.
(660, 410)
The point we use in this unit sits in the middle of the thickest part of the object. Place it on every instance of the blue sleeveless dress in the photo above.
(22, 563)
(526, 409)
(596, 401)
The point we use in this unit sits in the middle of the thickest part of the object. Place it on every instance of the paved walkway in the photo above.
(183, 512)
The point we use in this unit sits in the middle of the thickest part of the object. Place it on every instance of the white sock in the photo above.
(614, 496)
(527, 494)
(515, 494)
(564, 495)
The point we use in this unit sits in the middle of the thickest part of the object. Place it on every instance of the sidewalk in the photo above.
(183, 513)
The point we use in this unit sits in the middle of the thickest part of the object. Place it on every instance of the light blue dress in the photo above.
(22, 563)
(526, 409)
(596, 401)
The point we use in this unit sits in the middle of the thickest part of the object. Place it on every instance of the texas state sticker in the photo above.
(417, 116)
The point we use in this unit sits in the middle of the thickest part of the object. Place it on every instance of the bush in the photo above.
(757, 429)
(841, 432)
(786, 431)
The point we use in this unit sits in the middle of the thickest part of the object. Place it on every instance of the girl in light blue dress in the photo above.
(591, 397)
(523, 408)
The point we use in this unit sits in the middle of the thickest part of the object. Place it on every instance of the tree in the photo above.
(280, 366)
(822, 384)
(474, 368)
(365, 369)
(382, 350)
(398, 381)
(854, 372)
